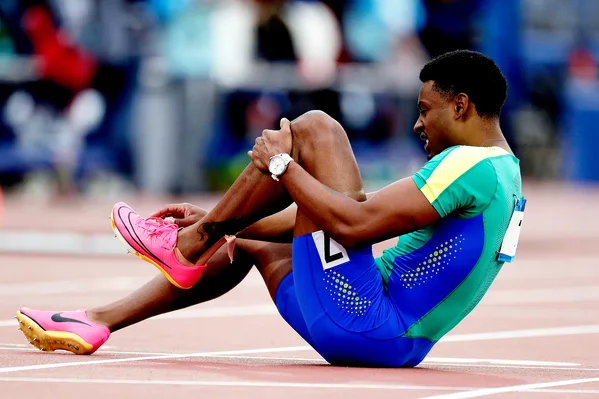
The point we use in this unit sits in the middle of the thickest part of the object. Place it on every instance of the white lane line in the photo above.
(158, 357)
(75, 286)
(56, 242)
(514, 388)
(253, 384)
(505, 366)
(498, 361)
(526, 333)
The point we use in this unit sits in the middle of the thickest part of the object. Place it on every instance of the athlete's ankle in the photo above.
(96, 317)
(184, 250)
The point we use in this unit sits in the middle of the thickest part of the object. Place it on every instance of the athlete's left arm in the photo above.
(396, 209)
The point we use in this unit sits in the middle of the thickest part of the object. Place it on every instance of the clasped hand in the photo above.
(272, 142)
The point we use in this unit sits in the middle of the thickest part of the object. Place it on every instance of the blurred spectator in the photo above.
(273, 37)
(59, 60)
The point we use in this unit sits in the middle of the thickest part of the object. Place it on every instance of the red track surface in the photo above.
(539, 323)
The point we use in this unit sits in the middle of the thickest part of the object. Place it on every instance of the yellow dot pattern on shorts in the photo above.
(344, 294)
(434, 263)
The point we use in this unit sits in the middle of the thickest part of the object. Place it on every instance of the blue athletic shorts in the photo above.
(336, 300)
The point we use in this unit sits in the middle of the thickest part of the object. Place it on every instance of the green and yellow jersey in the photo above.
(441, 272)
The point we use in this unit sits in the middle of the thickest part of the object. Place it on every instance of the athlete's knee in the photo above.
(316, 116)
(316, 127)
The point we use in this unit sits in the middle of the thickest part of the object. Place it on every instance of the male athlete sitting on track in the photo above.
(316, 257)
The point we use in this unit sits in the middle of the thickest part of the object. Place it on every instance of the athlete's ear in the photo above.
(460, 103)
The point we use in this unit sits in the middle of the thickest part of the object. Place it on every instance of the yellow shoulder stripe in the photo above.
(454, 165)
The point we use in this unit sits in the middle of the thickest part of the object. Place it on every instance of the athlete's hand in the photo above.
(183, 214)
(272, 142)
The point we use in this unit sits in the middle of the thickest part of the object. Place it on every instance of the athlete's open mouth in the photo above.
(425, 139)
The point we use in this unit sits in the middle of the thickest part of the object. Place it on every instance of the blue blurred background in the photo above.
(105, 97)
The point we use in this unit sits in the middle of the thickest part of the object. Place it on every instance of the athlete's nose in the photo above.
(419, 126)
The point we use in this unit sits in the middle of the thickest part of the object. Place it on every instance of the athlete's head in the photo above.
(458, 88)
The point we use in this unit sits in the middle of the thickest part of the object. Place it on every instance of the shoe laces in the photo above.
(157, 227)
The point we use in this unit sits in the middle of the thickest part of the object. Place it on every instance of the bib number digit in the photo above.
(331, 253)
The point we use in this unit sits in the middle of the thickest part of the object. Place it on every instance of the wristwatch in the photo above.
(277, 165)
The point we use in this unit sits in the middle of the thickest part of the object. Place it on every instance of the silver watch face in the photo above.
(276, 165)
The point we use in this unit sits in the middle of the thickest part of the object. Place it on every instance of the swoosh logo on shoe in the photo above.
(133, 234)
(130, 229)
(58, 318)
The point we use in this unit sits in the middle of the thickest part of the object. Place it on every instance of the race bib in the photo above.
(510, 241)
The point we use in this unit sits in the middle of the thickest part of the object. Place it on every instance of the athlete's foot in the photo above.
(154, 240)
(71, 331)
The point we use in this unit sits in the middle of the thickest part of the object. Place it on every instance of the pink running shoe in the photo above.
(153, 240)
(69, 331)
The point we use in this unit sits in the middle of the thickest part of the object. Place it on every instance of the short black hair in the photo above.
(472, 73)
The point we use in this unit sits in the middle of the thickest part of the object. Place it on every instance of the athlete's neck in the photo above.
(485, 133)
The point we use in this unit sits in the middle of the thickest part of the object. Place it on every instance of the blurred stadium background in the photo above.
(105, 98)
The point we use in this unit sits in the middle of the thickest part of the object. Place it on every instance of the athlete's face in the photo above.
(435, 122)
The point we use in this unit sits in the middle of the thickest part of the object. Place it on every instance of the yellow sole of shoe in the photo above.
(132, 251)
(50, 341)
